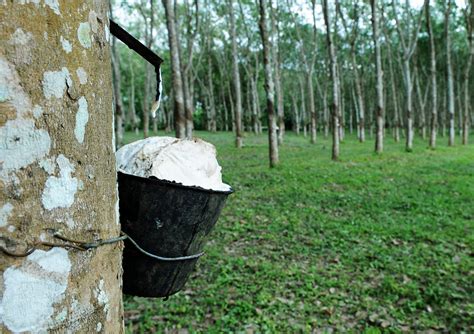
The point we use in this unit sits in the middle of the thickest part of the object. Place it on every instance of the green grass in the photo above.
(368, 244)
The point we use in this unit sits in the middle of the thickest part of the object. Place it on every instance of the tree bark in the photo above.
(212, 104)
(470, 38)
(58, 170)
(393, 88)
(177, 81)
(379, 108)
(360, 100)
(269, 89)
(148, 67)
(278, 88)
(146, 100)
(312, 109)
(132, 113)
(303, 106)
(296, 116)
(226, 112)
(335, 83)
(236, 79)
(326, 112)
(409, 105)
(255, 102)
(422, 98)
(434, 93)
(449, 75)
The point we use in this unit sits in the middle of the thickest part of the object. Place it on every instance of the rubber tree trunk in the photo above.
(279, 91)
(277, 77)
(296, 124)
(434, 93)
(360, 99)
(269, 88)
(312, 108)
(449, 76)
(146, 100)
(335, 83)
(255, 102)
(212, 104)
(236, 79)
(408, 42)
(177, 80)
(58, 169)
(470, 38)
(409, 105)
(303, 107)
(148, 71)
(379, 108)
(131, 103)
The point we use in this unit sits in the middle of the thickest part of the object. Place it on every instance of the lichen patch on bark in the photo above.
(32, 289)
(59, 191)
(82, 117)
(84, 34)
(55, 83)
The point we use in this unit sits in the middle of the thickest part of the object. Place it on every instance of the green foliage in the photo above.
(370, 244)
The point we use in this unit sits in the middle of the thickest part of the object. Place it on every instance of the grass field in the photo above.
(368, 244)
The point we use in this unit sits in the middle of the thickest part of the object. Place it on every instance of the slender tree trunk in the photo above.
(58, 171)
(177, 81)
(470, 38)
(408, 43)
(250, 112)
(326, 113)
(360, 100)
(188, 103)
(342, 112)
(434, 93)
(422, 97)
(275, 32)
(396, 111)
(259, 115)
(335, 83)
(253, 87)
(212, 104)
(409, 105)
(232, 107)
(154, 122)
(297, 116)
(312, 109)
(236, 78)
(131, 104)
(226, 112)
(269, 89)
(279, 93)
(458, 98)
(356, 110)
(146, 100)
(379, 108)
(449, 75)
(148, 70)
(444, 114)
(167, 114)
